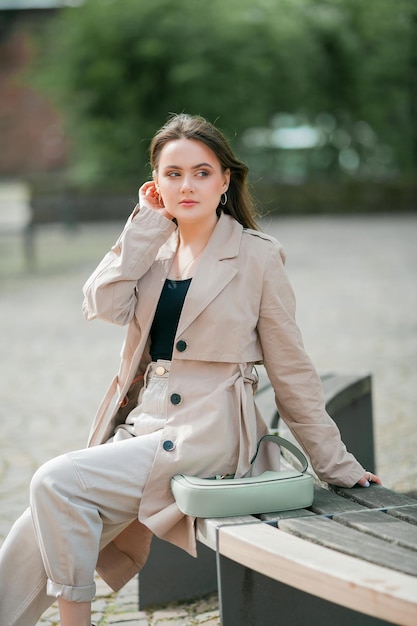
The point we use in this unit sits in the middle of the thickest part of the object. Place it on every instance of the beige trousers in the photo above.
(78, 503)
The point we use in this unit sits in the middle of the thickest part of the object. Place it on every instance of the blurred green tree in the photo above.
(117, 68)
(368, 69)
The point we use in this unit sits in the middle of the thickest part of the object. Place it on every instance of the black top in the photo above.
(167, 315)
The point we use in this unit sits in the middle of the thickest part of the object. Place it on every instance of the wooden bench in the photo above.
(351, 559)
(171, 574)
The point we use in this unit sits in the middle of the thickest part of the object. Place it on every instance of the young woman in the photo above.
(205, 298)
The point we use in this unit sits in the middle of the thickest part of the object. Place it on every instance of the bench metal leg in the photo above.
(251, 599)
(171, 574)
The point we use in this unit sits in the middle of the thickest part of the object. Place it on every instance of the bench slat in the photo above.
(327, 574)
(379, 524)
(278, 515)
(405, 513)
(328, 533)
(207, 527)
(375, 497)
(327, 502)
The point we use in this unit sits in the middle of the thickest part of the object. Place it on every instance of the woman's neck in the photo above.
(193, 240)
(195, 236)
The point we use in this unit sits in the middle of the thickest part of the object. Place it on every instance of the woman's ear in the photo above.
(226, 175)
(155, 179)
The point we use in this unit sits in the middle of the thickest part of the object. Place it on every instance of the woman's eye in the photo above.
(199, 173)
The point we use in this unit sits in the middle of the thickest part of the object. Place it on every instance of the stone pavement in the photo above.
(121, 609)
(355, 280)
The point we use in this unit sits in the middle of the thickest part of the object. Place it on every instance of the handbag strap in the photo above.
(284, 443)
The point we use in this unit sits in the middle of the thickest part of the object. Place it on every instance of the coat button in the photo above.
(181, 345)
(168, 445)
(176, 398)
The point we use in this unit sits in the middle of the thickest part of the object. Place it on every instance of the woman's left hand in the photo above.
(149, 197)
(369, 478)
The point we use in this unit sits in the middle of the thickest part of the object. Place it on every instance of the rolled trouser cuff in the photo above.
(72, 594)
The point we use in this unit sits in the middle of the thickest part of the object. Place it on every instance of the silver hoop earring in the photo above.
(223, 201)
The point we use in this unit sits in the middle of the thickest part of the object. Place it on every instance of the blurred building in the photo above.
(31, 133)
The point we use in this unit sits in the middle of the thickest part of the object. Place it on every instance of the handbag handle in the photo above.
(280, 441)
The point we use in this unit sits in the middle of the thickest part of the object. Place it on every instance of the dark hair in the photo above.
(183, 126)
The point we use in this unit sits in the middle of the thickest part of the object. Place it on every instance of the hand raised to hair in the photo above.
(149, 197)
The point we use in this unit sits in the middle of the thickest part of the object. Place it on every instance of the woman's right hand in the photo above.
(369, 478)
(149, 197)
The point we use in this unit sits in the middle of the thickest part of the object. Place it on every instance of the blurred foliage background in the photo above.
(118, 67)
(313, 94)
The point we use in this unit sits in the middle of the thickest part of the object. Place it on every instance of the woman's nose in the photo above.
(187, 185)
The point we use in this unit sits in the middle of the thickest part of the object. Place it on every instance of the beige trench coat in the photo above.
(239, 311)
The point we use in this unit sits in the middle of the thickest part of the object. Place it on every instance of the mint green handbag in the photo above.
(228, 496)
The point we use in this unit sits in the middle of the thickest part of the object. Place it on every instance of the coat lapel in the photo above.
(216, 269)
(151, 284)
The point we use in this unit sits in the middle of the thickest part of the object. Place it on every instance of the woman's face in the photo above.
(190, 181)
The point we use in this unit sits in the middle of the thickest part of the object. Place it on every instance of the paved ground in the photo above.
(355, 280)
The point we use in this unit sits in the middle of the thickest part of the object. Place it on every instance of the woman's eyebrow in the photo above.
(194, 167)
